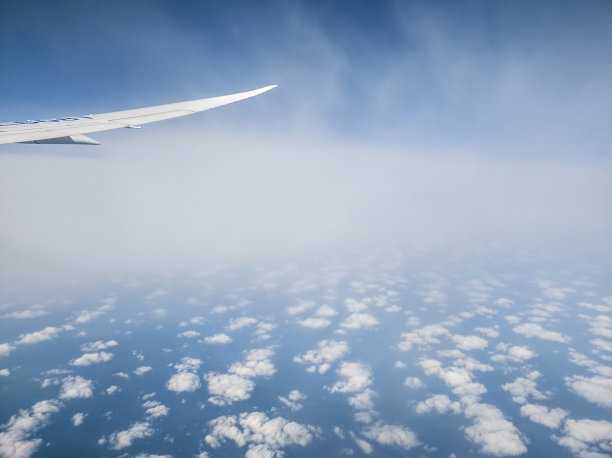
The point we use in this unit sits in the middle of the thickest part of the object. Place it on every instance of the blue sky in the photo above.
(521, 77)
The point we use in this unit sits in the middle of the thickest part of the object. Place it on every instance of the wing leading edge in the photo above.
(71, 130)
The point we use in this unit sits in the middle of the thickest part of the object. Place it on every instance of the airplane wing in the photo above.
(71, 129)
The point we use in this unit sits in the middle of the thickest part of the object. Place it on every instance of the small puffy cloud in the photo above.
(218, 339)
(470, 342)
(5, 349)
(15, 438)
(512, 319)
(515, 353)
(155, 409)
(325, 311)
(256, 363)
(434, 296)
(601, 344)
(98, 345)
(25, 314)
(92, 358)
(88, 315)
(356, 377)
(228, 388)
(314, 323)
(5, 372)
(359, 320)
(365, 446)
(596, 389)
(160, 313)
(520, 354)
(363, 400)
(440, 403)
(496, 435)
(422, 337)
(581, 436)
(489, 332)
(393, 435)
(551, 418)
(183, 381)
(535, 330)
(264, 437)
(123, 374)
(238, 323)
(76, 387)
(112, 389)
(78, 418)
(139, 371)
(188, 364)
(354, 306)
(413, 382)
(123, 439)
(197, 320)
(188, 334)
(327, 352)
(292, 400)
(522, 388)
(48, 333)
(300, 307)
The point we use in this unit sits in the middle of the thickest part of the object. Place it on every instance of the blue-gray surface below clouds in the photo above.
(500, 353)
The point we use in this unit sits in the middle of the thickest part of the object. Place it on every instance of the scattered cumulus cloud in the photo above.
(263, 436)
(92, 358)
(183, 381)
(440, 403)
(239, 323)
(5, 349)
(413, 382)
(301, 307)
(78, 419)
(321, 358)
(76, 387)
(218, 339)
(470, 342)
(535, 330)
(596, 389)
(392, 435)
(124, 439)
(48, 333)
(292, 400)
(314, 322)
(551, 418)
(141, 370)
(98, 345)
(359, 320)
(15, 436)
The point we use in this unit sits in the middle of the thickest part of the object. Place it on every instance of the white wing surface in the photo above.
(72, 129)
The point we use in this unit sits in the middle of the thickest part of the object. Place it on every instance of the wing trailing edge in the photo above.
(71, 130)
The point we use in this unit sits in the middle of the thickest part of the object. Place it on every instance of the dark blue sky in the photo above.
(455, 73)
